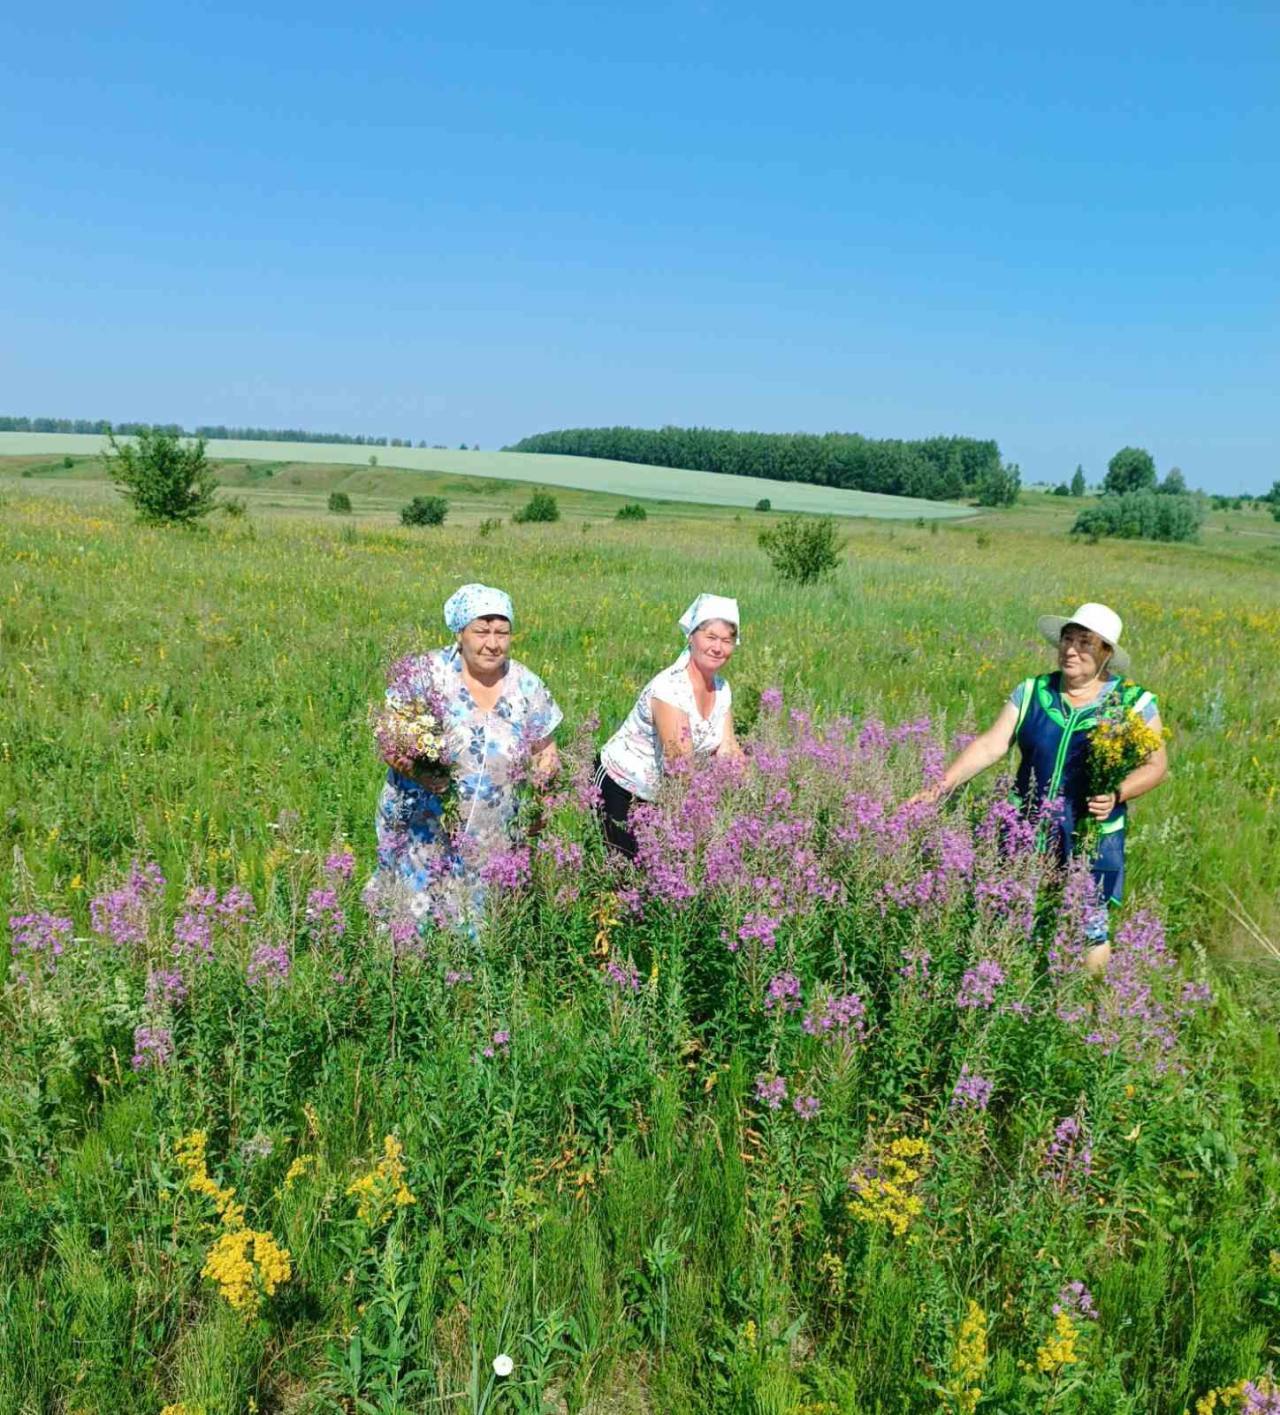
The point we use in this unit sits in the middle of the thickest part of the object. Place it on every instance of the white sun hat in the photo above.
(1102, 621)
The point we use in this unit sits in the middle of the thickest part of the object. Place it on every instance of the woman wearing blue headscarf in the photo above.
(499, 718)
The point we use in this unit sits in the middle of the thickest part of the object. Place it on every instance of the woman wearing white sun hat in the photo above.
(1049, 716)
(685, 711)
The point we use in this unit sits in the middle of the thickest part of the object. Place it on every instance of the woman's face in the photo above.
(711, 645)
(1081, 653)
(485, 643)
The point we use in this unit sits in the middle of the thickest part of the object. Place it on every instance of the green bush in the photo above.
(339, 503)
(802, 550)
(541, 506)
(233, 506)
(1141, 515)
(165, 482)
(632, 511)
(1131, 469)
(424, 511)
(1062, 489)
(764, 504)
(68, 462)
(489, 525)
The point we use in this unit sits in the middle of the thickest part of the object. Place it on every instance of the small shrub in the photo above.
(373, 459)
(982, 540)
(541, 506)
(1062, 489)
(165, 482)
(68, 462)
(233, 506)
(802, 550)
(632, 511)
(339, 503)
(489, 525)
(424, 511)
(764, 504)
(1141, 515)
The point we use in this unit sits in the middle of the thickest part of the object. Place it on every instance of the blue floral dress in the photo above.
(439, 869)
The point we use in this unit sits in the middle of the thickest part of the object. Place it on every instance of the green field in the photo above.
(611, 1202)
(627, 480)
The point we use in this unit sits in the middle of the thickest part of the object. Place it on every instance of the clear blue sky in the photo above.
(1056, 226)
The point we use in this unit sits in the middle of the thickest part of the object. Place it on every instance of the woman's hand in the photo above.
(1100, 807)
(930, 795)
(431, 776)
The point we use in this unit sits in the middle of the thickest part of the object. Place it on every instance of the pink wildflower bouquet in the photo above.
(409, 726)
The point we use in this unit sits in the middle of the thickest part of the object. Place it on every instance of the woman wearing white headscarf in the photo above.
(499, 720)
(685, 711)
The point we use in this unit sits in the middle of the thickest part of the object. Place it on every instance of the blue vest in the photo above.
(1052, 737)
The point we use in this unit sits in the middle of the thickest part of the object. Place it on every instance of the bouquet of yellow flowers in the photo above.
(409, 727)
(1120, 741)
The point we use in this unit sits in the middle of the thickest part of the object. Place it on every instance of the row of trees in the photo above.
(937, 468)
(211, 432)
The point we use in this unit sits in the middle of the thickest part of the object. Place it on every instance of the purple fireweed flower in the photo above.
(915, 965)
(340, 865)
(454, 976)
(1258, 1401)
(121, 915)
(622, 976)
(166, 989)
(40, 937)
(772, 1090)
(152, 1047)
(758, 928)
(806, 1107)
(979, 984)
(269, 965)
(771, 700)
(500, 1041)
(837, 1018)
(1069, 1156)
(782, 993)
(406, 936)
(972, 1092)
(193, 932)
(1077, 1301)
(325, 915)
(566, 854)
(236, 905)
(508, 869)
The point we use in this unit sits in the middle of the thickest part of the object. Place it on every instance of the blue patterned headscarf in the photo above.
(476, 602)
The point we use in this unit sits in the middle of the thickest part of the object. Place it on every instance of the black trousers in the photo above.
(614, 808)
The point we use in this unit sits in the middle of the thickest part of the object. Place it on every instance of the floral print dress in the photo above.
(439, 866)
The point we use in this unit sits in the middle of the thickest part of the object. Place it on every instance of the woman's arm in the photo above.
(673, 729)
(729, 745)
(1140, 780)
(985, 750)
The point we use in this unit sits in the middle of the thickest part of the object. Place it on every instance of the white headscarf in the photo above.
(476, 602)
(704, 608)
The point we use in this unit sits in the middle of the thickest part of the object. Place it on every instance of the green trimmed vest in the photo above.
(1052, 737)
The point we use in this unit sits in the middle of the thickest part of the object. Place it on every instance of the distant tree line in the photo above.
(209, 431)
(937, 468)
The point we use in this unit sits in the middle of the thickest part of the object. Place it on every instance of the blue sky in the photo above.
(1052, 226)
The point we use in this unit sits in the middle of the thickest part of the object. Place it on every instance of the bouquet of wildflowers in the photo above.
(409, 726)
(1119, 742)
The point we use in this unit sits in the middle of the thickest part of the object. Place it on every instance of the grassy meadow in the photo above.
(613, 1198)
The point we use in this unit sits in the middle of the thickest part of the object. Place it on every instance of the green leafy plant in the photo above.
(764, 504)
(165, 481)
(802, 550)
(424, 511)
(339, 503)
(632, 511)
(541, 506)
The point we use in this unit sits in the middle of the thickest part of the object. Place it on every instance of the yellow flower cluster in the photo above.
(243, 1277)
(1117, 746)
(383, 1189)
(181, 1408)
(190, 1153)
(888, 1196)
(299, 1169)
(1060, 1349)
(1224, 1398)
(245, 1263)
(969, 1360)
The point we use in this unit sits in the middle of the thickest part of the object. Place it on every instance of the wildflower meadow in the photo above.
(814, 1109)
